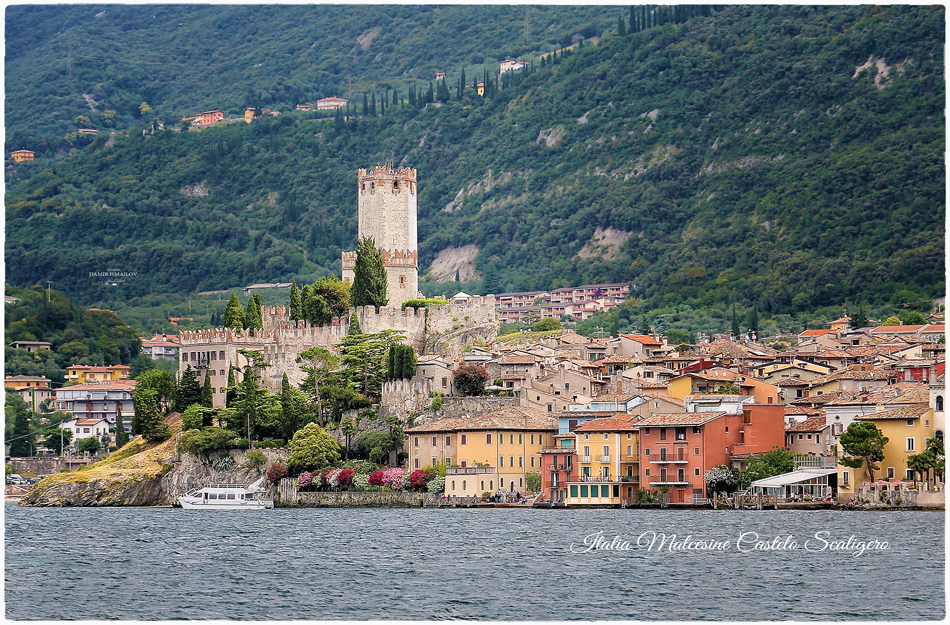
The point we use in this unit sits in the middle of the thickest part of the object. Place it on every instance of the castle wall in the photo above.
(282, 340)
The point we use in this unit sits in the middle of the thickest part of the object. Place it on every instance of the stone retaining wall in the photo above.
(288, 495)
(47, 466)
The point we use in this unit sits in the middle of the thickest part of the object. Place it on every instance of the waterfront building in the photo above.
(81, 374)
(486, 453)
(558, 467)
(608, 463)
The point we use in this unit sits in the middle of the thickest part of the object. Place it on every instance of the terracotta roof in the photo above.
(794, 410)
(812, 424)
(608, 424)
(26, 378)
(902, 393)
(640, 338)
(895, 329)
(792, 381)
(624, 397)
(88, 421)
(518, 359)
(93, 386)
(681, 418)
(914, 411)
(508, 418)
(615, 360)
(816, 332)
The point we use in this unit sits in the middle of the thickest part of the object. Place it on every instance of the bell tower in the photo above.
(387, 214)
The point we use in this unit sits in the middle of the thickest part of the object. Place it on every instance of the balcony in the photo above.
(666, 459)
(670, 483)
(469, 470)
(602, 458)
(585, 458)
(594, 478)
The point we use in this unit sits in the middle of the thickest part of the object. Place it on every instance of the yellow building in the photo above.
(22, 155)
(608, 463)
(248, 115)
(711, 380)
(81, 374)
(907, 430)
(491, 452)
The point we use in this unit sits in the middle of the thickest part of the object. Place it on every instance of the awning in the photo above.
(786, 479)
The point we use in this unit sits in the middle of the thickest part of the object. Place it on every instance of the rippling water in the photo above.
(504, 564)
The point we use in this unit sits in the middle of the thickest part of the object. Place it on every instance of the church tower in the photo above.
(387, 214)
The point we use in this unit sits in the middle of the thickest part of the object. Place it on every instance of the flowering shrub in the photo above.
(325, 477)
(376, 479)
(393, 478)
(418, 479)
(361, 480)
(406, 482)
(305, 479)
(345, 477)
(276, 471)
(436, 484)
(719, 479)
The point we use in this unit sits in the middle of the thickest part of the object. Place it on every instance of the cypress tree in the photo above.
(230, 393)
(372, 106)
(365, 105)
(290, 416)
(621, 27)
(295, 299)
(22, 443)
(121, 436)
(188, 391)
(391, 362)
(253, 317)
(234, 314)
(207, 398)
(354, 326)
(735, 322)
(369, 281)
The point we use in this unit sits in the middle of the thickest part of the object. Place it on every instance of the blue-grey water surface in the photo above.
(496, 564)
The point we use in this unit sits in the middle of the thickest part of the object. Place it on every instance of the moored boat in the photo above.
(228, 497)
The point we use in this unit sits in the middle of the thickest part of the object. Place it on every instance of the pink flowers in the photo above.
(393, 478)
(305, 479)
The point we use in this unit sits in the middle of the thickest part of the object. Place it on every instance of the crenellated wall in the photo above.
(445, 329)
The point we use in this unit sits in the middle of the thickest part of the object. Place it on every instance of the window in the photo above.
(532, 439)
(448, 441)
(511, 439)
(836, 428)
(606, 436)
(463, 463)
(939, 403)
(604, 490)
(696, 471)
(415, 441)
(909, 474)
(435, 441)
(646, 472)
(586, 437)
(415, 463)
(483, 486)
(646, 431)
(501, 439)
(550, 408)
(501, 462)
(463, 485)
(448, 460)
(695, 451)
(681, 434)
(681, 475)
(541, 440)
(453, 484)
(629, 450)
(488, 439)
(663, 433)
(629, 436)
(520, 439)
(212, 372)
(890, 473)
(521, 461)
(532, 462)
(727, 429)
(646, 452)
(445, 382)
(511, 461)
(910, 443)
(85, 430)
(434, 459)
(845, 478)
(809, 437)
(221, 355)
(584, 490)
(463, 439)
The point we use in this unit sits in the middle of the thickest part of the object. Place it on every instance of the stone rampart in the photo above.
(47, 466)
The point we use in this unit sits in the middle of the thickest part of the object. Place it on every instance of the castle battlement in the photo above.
(402, 258)
(222, 336)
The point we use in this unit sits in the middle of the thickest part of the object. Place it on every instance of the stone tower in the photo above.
(387, 214)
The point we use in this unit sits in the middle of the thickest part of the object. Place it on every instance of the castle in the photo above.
(387, 214)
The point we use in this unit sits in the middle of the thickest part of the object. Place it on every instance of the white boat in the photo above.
(228, 497)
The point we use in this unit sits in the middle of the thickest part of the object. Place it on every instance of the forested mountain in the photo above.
(787, 157)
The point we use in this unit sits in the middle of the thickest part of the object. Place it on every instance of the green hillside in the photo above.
(783, 157)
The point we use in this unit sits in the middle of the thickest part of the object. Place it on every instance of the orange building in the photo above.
(22, 155)
(210, 117)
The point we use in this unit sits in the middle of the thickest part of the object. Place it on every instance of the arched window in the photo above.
(483, 485)
(491, 484)
(939, 403)
(453, 484)
(463, 486)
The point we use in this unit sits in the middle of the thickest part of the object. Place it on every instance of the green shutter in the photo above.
(584, 490)
(604, 490)
(574, 491)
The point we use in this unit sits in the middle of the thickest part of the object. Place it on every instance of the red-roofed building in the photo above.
(98, 401)
(639, 345)
(160, 346)
(608, 459)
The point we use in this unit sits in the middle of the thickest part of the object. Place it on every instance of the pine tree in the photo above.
(22, 442)
(295, 311)
(369, 281)
(121, 436)
(490, 281)
(207, 397)
(621, 27)
(234, 314)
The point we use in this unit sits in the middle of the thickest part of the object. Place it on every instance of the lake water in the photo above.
(502, 564)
